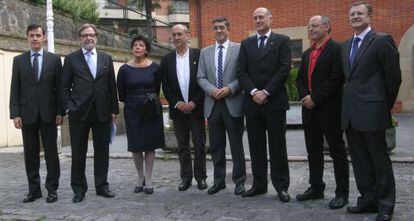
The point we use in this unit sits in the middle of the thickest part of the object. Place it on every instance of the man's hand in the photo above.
(17, 122)
(59, 120)
(189, 107)
(113, 117)
(223, 92)
(260, 97)
(308, 102)
(215, 93)
(180, 106)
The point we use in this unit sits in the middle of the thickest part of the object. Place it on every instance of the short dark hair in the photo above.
(145, 40)
(222, 19)
(87, 25)
(368, 6)
(33, 27)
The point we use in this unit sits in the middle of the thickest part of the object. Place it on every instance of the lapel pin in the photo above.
(271, 42)
(194, 62)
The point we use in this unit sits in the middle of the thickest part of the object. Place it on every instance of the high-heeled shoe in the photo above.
(139, 189)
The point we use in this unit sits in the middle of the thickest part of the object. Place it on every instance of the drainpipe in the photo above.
(198, 11)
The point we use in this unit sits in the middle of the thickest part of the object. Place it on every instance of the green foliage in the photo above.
(291, 85)
(78, 9)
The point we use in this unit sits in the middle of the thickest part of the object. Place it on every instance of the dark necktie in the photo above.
(220, 68)
(354, 51)
(262, 42)
(35, 66)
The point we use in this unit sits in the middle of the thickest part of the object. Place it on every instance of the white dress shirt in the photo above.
(39, 60)
(360, 36)
(183, 73)
(216, 52)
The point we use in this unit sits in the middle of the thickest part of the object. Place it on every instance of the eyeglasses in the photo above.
(219, 27)
(88, 35)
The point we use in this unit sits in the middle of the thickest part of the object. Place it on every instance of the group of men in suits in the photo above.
(42, 92)
(349, 87)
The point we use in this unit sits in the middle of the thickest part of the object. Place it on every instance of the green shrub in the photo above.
(291, 85)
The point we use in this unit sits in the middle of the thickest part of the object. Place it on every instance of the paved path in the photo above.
(169, 204)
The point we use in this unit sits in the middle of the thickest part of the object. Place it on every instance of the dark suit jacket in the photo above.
(29, 98)
(80, 90)
(268, 70)
(327, 81)
(171, 87)
(372, 85)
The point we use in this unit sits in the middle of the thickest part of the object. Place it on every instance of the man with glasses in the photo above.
(222, 105)
(90, 97)
(319, 84)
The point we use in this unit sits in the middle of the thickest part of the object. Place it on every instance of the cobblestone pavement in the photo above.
(167, 203)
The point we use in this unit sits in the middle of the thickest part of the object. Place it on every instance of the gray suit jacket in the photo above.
(372, 84)
(206, 78)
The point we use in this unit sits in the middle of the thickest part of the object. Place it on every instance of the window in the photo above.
(296, 47)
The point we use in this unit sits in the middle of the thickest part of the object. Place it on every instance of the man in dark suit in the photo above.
(319, 83)
(216, 75)
(89, 94)
(263, 66)
(372, 80)
(35, 108)
(185, 98)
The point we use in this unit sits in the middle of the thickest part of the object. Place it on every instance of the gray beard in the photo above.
(88, 46)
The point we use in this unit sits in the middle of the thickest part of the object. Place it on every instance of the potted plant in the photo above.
(390, 134)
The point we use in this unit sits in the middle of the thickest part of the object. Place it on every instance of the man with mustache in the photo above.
(90, 97)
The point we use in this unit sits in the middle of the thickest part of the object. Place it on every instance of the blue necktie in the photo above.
(90, 62)
(35, 66)
(220, 68)
(262, 42)
(354, 51)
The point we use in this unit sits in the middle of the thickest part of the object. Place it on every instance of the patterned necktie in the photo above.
(354, 51)
(220, 68)
(90, 62)
(262, 42)
(35, 66)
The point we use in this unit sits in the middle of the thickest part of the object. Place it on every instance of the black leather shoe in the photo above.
(138, 189)
(215, 188)
(310, 194)
(31, 197)
(283, 196)
(52, 197)
(149, 190)
(253, 192)
(239, 189)
(383, 217)
(359, 210)
(202, 185)
(105, 193)
(338, 202)
(78, 198)
(184, 185)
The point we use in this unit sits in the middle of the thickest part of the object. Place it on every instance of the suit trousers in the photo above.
(182, 128)
(220, 122)
(79, 133)
(31, 146)
(259, 121)
(373, 171)
(316, 127)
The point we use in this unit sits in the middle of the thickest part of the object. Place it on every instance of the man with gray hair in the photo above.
(319, 84)
(263, 66)
(90, 97)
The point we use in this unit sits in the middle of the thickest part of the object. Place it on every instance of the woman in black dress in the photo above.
(139, 83)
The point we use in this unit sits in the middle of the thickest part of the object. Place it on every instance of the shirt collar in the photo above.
(267, 34)
(363, 34)
(225, 44)
(184, 55)
(84, 51)
(40, 52)
(322, 46)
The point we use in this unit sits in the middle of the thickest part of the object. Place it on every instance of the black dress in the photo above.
(134, 87)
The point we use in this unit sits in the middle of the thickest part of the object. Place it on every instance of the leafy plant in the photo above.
(78, 9)
(291, 85)
(394, 122)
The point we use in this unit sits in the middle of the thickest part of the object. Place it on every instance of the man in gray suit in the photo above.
(372, 80)
(222, 105)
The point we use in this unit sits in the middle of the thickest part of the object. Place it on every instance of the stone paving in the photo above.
(167, 203)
